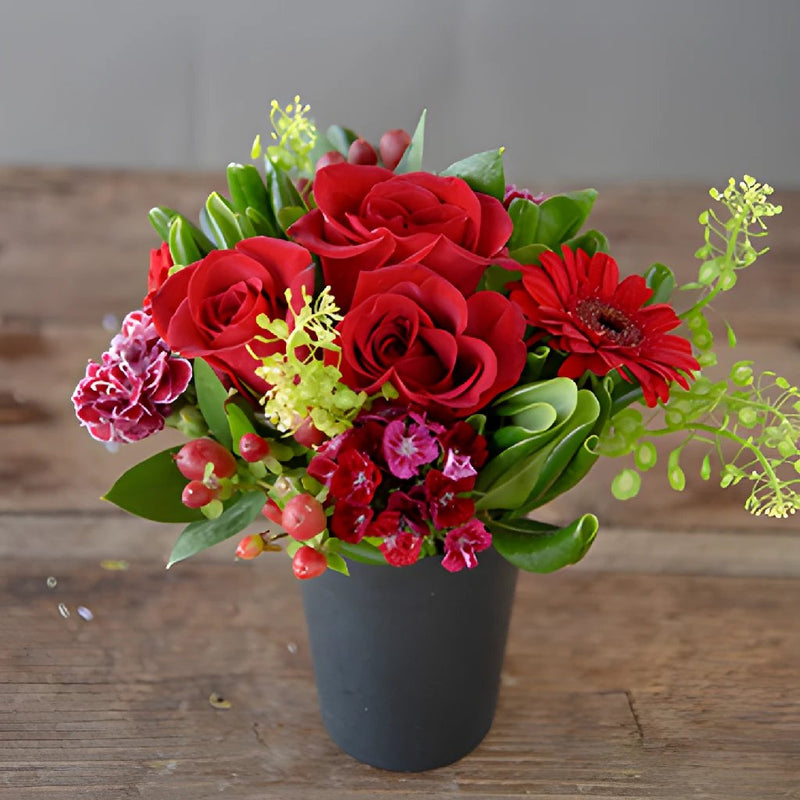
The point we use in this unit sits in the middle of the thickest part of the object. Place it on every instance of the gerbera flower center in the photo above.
(608, 321)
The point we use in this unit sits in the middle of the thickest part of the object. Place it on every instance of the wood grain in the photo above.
(665, 665)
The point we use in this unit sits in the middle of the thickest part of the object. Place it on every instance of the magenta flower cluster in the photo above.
(399, 477)
(127, 396)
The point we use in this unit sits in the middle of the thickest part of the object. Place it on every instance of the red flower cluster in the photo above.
(417, 472)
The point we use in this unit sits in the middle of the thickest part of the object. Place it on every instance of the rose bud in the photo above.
(362, 152)
(332, 157)
(392, 146)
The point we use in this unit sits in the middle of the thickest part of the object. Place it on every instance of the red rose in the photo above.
(160, 264)
(209, 308)
(368, 217)
(448, 354)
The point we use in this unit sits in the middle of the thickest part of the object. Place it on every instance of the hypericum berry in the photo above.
(192, 458)
(308, 563)
(362, 152)
(392, 146)
(308, 435)
(253, 448)
(196, 494)
(332, 157)
(250, 547)
(272, 511)
(303, 517)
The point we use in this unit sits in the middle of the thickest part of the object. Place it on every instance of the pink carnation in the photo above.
(461, 544)
(127, 396)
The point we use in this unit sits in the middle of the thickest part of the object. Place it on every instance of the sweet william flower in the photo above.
(350, 521)
(447, 506)
(462, 543)
(408, 449)
(603, 324)
(355, 478)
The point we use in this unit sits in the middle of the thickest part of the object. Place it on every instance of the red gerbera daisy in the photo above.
(602, 324)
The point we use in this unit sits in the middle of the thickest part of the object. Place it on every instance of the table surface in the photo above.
(665, 665)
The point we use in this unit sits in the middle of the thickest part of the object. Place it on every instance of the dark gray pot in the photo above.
(407, 660)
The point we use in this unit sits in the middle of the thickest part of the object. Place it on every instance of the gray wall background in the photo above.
(578, 90)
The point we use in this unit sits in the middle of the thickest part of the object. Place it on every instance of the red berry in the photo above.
(192, 458)
(392, 146)
(307, 435)
(196, 494)
(362, 152)
(253, 448)
(303, 517)
(250, 547)
(332, 157)
(272, 511)
(308, 563)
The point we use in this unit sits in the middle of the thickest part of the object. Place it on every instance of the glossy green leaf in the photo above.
(363, 552)
(539, 547)
(222, 221)
(238, 423)
(575, 471)
(282, 191)
(590, 242)
(529, 254)
(535, 364)
(495, 278)
(211, 397)
(288, 215)
(660, 279)
(182, 246)
(561, 393)
(152, 489)
(161, 218)
(248, 193)
(482, 171)
(562, 215)
(201, 535)
(337, 563)
(412, 158)
(505, 462)
(525, 216)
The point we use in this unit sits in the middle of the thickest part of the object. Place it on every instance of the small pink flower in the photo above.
(512, 193)
(447, 506)
(457, 466)
(461, 544)
(413, 510)
(401, 549)
(406, 451)
(355, 478)
(350, 522)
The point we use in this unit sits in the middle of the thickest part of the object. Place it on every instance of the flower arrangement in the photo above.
(390, 363)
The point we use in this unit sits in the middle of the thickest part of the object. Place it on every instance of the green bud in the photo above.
(626, 485)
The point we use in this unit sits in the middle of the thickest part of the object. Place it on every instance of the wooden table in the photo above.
(663, 666)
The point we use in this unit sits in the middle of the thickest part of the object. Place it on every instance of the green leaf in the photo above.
(222, 221)
(288, 215)
(363, 552)
(211, 397)
(161, 218)
(337, 563)
(529, 254)
(482, 171)
(590, 242)
(340, 139)
(249, 193)
(182, 246)
(496, 277)
(412, 158)
(282, 191)
(200, 535)
(660, 279)
(562, 215)
(152, 489)
(539, 547)
(575, 471)
(238, 423)
(525, 216)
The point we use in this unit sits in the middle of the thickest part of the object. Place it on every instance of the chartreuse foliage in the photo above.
(757, 416)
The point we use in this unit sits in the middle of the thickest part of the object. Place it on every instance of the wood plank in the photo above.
(614, 686)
